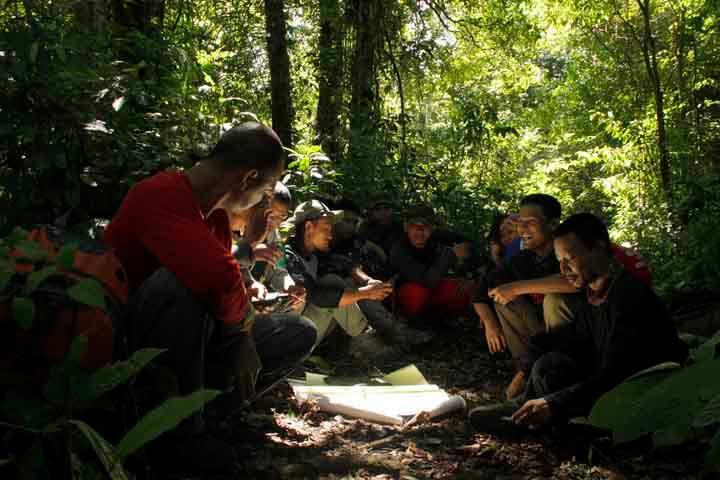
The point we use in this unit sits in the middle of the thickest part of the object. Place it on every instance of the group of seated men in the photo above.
(238, 306)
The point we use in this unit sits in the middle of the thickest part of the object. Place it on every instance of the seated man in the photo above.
(333, 299)
(381, 228)
(350, 244)
(529, 294)
(424, 287)
(188, 292)
(622, 328)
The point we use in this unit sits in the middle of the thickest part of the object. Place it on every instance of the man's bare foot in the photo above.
(516, 387)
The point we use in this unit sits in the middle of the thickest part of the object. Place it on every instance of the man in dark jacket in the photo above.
(423, 264)
(622, 329)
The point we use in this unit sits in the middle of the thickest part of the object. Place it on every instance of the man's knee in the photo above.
(163, 307)
(516, 313)
(413, 299)
(551, 372)
(303, 330)
(560, 309)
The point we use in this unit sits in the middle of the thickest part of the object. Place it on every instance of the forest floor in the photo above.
(285, 441)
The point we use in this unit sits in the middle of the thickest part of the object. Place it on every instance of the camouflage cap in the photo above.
(310, 210)
(421, 213)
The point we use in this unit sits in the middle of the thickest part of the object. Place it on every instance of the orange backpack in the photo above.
(55, 275)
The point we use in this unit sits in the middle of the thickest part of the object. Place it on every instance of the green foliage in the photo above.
(56, 412)
(673, 405)
(161, 419)
(88, 292)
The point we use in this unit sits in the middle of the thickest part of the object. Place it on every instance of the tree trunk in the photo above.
(280, 85)
(330, 75)
(649, 50)
(366, 16)
(139, 15)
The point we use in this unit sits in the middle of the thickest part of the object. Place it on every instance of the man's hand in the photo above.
(257, 291)
(503, 294)
(373, 281)
(495, 338)
(533, 414)
(264, 253)
(377, 291)
(298, 295)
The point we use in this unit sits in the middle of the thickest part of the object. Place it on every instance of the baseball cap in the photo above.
(311, 210)
(420, 214)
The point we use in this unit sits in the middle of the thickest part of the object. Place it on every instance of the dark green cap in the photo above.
(421, 214)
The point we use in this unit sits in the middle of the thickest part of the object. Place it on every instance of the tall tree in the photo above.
(280, 83)
(366, 16)
(649, 51)
(330, 76)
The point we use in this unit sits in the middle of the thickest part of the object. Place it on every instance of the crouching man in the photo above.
(621, 329)
(188, 291)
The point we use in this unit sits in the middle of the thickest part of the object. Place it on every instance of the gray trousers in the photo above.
(354, 318)
(521, 319)
(203, 351)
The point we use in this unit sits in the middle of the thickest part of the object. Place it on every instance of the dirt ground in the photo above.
(282, 440)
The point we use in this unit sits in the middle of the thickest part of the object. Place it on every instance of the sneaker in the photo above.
(494, 418)
(199, 454)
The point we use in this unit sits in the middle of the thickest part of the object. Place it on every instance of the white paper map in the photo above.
(406, 394)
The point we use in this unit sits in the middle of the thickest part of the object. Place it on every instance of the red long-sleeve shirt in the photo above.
(160, 224)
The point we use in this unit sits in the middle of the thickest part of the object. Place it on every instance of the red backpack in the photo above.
(55, 289)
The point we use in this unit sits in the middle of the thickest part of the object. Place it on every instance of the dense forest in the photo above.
(612, 106)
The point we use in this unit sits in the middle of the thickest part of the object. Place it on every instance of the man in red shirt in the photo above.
(188, 292)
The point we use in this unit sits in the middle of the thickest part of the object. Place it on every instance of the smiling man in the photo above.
(521, 299)
(622, 328)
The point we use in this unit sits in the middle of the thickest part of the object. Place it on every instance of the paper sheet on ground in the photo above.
(406, 394)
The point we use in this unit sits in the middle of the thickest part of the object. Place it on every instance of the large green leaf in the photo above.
(103, 450)
(611, 409)
(36, 278)
(89, 292)
(107, 378)
(161, 419)
(708, 350)
(23, 311)
(709, 415)
(670, 404)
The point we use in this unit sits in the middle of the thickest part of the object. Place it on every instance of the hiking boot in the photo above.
(199, 454)
(494, 418)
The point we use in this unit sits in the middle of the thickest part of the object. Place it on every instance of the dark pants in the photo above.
(201, 350)
(552, 372)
